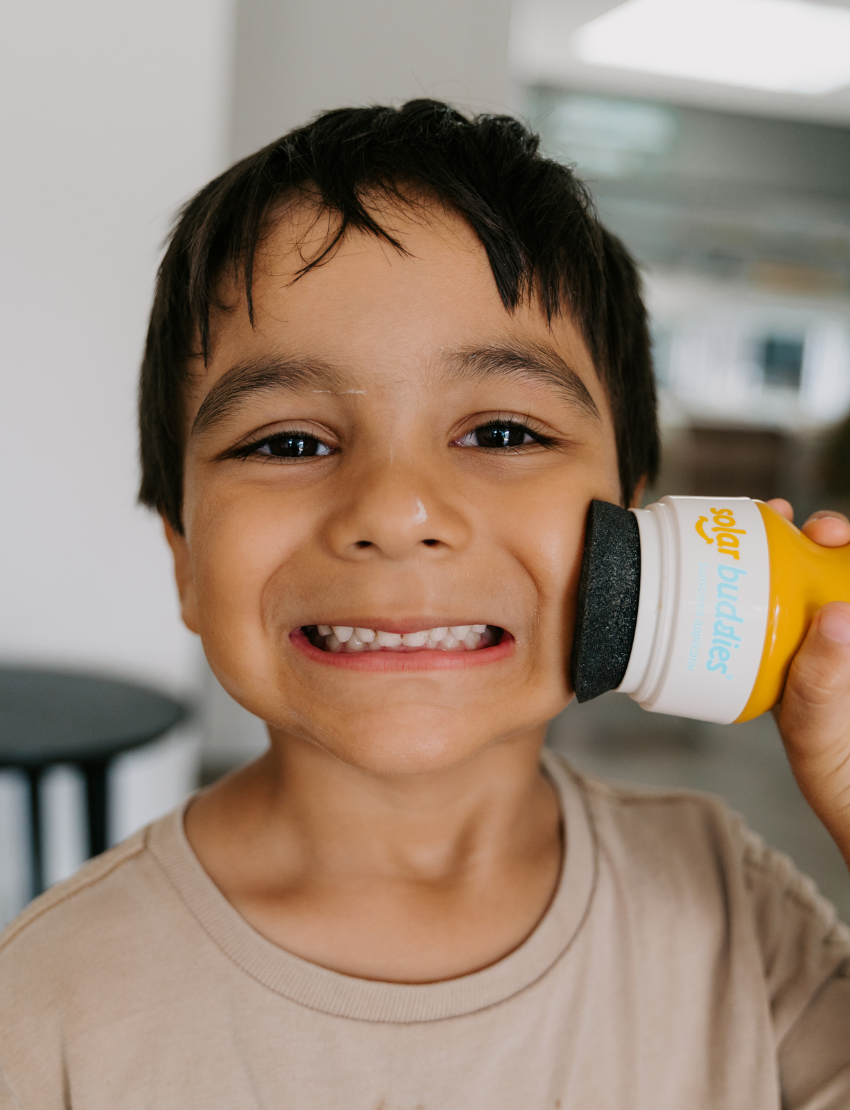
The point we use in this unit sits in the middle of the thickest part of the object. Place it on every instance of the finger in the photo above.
(815, 709)
(783, 507)
(827, 528)
(814, 717)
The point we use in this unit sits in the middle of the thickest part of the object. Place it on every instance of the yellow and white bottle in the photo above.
(725, 593)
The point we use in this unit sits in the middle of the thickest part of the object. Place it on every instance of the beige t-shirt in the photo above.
(681, 965)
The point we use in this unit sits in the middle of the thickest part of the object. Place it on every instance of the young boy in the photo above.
(392, 358)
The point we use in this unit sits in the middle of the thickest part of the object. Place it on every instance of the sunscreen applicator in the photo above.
(696, 605)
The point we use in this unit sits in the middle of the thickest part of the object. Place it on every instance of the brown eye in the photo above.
(498, 436)
(292, 445)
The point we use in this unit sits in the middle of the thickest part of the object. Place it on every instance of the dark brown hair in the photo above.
(532, 215)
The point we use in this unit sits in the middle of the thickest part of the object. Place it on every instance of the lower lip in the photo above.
(403, 662)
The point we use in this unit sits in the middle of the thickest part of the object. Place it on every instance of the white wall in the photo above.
(297, 58)
(113, 112)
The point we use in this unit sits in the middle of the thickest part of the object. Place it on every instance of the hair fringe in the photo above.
(535, 219)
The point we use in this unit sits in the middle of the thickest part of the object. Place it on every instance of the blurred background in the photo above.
(715, 137)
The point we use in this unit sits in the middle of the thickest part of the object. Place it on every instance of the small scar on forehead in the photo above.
(339, 392)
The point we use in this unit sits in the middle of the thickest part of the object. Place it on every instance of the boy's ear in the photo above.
(183, 576)
(637, 496)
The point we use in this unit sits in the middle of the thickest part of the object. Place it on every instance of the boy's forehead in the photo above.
(373, 312)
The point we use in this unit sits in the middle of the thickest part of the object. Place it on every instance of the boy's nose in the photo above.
(394, 515)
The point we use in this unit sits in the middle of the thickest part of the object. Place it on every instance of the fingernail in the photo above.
(834, 624)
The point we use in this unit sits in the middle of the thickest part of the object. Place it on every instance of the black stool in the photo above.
(49, 717)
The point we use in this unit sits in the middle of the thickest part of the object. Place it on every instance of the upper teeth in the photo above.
(356, 639)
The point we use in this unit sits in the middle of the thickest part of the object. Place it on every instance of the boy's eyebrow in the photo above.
(260, 376)
(529, 359)
(271, 374)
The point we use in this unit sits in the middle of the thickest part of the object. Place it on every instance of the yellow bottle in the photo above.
(803, 577)
(696, 605)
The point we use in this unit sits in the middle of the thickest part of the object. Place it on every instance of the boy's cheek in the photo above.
(545, 533)
(235, 557)
(234, 549)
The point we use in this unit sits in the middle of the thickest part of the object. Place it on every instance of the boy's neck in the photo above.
(407, 878)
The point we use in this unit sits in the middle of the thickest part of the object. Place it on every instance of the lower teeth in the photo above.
(473, 641)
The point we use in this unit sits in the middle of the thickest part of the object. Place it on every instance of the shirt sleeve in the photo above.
(806, 961)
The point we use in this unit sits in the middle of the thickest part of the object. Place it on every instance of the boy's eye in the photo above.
(498, 435)
(290, 445)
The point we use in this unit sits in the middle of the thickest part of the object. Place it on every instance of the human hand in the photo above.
(814, 714)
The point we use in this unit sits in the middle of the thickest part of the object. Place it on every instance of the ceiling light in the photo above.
(781, 45)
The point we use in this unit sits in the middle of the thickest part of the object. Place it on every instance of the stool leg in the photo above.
(96, 804)
(36, 849)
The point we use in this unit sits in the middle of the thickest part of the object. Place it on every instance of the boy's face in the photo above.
(390, 449)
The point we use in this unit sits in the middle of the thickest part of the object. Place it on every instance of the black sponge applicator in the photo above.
(608, 593)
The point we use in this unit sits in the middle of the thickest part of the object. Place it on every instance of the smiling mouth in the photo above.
(343, 639)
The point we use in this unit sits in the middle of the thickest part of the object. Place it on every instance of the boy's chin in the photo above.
(402, 743)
